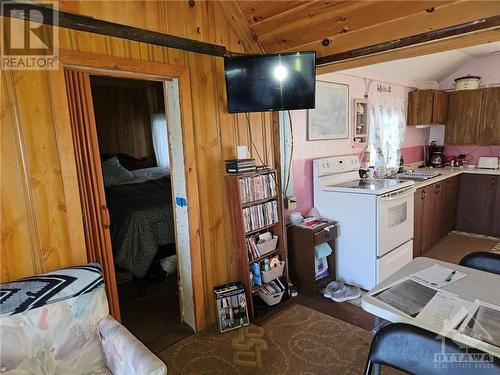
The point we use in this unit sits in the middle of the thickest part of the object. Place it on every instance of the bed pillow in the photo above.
(114, 173)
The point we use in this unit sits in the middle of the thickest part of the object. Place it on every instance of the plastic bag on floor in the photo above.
(169, 264)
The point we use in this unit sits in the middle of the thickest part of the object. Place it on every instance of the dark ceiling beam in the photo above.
(430, 36)
(92, 25)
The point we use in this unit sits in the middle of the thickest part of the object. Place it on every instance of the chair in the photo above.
(59, 323)
(482, 260)
(419, 352)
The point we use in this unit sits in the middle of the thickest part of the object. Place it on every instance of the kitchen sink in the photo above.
(417, 176)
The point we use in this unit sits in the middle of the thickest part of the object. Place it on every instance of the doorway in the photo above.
(127, 136)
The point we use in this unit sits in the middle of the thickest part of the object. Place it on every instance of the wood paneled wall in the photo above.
(123, 110)
(41, 218)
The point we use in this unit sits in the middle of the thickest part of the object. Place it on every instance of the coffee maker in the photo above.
(435, 157)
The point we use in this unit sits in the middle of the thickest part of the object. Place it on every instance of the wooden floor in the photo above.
(155, 318)
(453, 247)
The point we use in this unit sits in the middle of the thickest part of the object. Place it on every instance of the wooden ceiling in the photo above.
(332, 27)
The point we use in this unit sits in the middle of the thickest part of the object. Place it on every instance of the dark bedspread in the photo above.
(141, 220)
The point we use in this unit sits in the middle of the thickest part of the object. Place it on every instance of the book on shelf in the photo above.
(260, 215)
(256, 188)
(252, 249)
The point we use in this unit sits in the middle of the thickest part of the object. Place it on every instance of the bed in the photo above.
(142, 218)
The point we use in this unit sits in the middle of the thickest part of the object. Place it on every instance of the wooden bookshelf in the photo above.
(240, 235)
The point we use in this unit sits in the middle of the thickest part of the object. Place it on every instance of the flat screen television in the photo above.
(258, 83)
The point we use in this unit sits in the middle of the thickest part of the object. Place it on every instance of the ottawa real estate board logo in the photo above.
(29, 41)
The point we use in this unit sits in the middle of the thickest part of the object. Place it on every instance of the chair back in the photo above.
(419, 352)
(482, 260)
(49, 322)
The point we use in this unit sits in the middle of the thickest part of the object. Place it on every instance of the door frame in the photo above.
(137, 69)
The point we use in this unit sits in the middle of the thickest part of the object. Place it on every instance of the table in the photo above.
(477, 284)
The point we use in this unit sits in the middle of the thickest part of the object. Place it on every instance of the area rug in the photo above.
(297, 341)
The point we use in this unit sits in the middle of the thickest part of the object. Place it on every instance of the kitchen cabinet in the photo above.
(478, 197)
(473, 117)
(464, 117)
(489, 131)
(451, 198)
(418, 209)
(495, 230)
(428, 217)
(433, 205)
(427, 107)
(436, 212)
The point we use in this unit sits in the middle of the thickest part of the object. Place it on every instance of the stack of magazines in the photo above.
(240, 166)
(231, 306)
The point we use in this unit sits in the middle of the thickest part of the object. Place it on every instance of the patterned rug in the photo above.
(297, 341)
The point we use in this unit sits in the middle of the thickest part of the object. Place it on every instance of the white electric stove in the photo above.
(375, 219)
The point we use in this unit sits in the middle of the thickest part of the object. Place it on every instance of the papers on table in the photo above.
(442, 311)
(483, 324)
(437, 276)
(445, 311)
(407, 296)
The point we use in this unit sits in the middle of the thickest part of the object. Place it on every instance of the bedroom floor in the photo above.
(154, 319)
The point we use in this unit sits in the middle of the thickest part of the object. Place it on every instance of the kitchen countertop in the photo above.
(448, 172)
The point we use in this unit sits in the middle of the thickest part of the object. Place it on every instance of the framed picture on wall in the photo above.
(330, 118)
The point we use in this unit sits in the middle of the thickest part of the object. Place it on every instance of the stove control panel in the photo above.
(336, 164)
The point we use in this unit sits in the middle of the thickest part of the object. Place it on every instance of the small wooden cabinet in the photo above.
(426, 107)
(473, 117)
(479, 204)
(301, 243)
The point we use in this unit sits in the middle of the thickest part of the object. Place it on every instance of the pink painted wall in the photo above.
(306, 151)
(485, 67)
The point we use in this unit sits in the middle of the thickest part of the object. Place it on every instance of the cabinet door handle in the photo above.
(493, 180)
(423, 194)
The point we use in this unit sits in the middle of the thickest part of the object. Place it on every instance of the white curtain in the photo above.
(160, 139)
(387, 117)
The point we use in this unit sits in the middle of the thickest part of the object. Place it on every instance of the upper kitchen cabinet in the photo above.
(426, 107)
(473, 117)
(489, 133)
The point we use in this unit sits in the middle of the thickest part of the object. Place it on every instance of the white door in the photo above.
(394, 219)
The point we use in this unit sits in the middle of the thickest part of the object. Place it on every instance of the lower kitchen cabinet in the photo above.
(452, 186)
(418, 209)
(435, 208)
(479, 204)
(495, 230)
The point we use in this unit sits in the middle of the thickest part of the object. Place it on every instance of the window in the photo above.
(387, 115)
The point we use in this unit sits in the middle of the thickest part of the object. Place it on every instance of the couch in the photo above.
(59, 323)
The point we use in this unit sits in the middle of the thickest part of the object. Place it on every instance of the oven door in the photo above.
(394, 219)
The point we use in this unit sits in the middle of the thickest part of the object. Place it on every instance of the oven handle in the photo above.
(397, 195)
